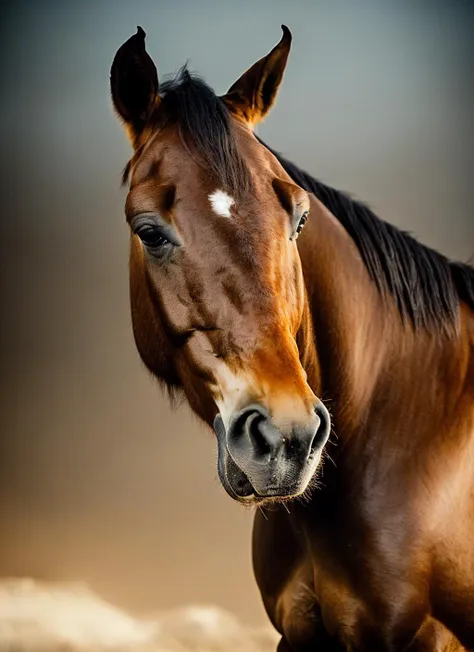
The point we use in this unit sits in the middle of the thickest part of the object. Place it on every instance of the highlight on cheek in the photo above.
(221, 203)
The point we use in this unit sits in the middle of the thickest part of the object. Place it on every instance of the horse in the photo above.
(331, 353)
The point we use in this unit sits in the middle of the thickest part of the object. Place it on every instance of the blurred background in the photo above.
(99, 480)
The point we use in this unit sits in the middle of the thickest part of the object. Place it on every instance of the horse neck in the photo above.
(370, 365)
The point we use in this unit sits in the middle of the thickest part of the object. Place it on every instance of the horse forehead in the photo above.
(161, 154)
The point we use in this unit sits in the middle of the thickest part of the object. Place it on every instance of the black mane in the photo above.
(205, 123)
(426, 285)
(206, 129)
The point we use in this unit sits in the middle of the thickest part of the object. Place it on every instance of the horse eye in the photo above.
(302, 222)
(151, 236)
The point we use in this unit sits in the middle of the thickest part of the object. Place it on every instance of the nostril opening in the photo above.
(250, 427)
(322, 432)
(256, 436)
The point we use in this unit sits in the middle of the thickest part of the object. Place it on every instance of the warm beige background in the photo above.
(99, 480)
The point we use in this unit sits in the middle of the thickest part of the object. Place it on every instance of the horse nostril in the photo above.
(253, 438)
(253, 426)
(323, 429)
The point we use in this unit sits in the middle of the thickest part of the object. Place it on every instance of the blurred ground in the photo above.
(51, 617)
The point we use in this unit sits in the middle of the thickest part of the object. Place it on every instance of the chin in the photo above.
(241, 489)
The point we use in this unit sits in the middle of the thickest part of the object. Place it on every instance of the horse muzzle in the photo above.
(260, 461)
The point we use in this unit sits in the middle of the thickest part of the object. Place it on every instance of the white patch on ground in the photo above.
(221, 203)
(47, 617)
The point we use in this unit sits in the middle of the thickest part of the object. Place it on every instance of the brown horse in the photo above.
(376, 550)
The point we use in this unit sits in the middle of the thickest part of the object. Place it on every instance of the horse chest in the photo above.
(327, 598)
(315, 608)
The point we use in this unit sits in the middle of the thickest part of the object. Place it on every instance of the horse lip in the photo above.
(276, 492)
(218, 425)
(240, 487)
(271, 492)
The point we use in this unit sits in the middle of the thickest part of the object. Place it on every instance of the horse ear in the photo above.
(134, 83)
(253, 95)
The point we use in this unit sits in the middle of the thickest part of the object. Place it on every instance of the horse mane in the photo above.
(425, 285)
(206, 130)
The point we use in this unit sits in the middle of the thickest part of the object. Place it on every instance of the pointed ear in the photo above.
(252, 96)
(134, 83)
